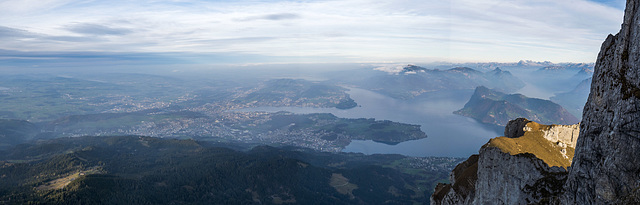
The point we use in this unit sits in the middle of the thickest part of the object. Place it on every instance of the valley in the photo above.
(319, 102)
(118, 131)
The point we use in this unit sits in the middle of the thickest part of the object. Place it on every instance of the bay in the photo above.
(448, 135)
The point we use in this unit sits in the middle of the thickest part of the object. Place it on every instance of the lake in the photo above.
(448, 134)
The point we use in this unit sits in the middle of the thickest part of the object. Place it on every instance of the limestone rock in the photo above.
(462, 188)
(514, 128)
(528, 165)
(515, 179)
(606, 168)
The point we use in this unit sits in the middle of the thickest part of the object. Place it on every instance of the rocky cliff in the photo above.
(529, 164)
(606, 166)
(606, 169)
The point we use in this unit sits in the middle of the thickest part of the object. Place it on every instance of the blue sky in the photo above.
(304, 31)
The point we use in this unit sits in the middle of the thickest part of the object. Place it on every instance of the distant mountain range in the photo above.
(581, 67)
(576, 71)
(407, 82)
(493, 107)
(575, 99)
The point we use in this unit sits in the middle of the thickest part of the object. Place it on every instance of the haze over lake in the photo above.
(447, 134)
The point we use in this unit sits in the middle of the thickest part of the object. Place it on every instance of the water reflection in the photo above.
(448, 134)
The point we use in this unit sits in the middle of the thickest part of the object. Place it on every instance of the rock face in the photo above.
(515, 179)
(527, 165)
(463, 184)
(606, 169)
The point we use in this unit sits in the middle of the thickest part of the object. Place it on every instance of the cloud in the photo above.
(391, 69)
(354, 30)
(95, 29)
(77, 39)
(93, 59)
(7, 32)
(282, 16)
(22, 36)
(30, 6)
(273, 17)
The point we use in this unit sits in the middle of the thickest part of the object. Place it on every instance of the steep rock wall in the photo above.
(515, 179)
(606, 168)
(463, 182)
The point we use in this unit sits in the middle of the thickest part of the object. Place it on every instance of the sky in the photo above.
(50, 32)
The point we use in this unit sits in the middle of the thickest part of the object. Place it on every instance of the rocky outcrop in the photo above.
(515, 179)
(606, 166)
(606, 169)
(463, 184)
(563, 137)
(528, 165)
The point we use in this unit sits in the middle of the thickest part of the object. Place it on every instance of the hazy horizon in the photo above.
(60, 33)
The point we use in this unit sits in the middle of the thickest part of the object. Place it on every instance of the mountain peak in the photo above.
(494, 107)
(412, 68)
(464, 70)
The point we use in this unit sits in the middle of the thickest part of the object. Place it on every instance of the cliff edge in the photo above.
(606, 168)
(528, 165)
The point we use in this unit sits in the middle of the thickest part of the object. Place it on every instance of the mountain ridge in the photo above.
(411, 81)
(493, 107)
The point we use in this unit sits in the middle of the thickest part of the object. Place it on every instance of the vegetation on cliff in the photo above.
(533, 142)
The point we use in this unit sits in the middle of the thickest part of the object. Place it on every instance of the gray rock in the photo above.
(514, 169)
(606, 167)
(514, 128)
(463, 182)
(515, 179)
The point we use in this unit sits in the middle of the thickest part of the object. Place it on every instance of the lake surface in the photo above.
(447, 134)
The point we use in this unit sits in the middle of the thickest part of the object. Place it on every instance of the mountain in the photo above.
(575, 99)
(493, 107)
(586, 71)
(607, 161)
(13, 132)
(578, 70)
(407, 82)
(525, 166)
(148, 170)
(574, 67)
